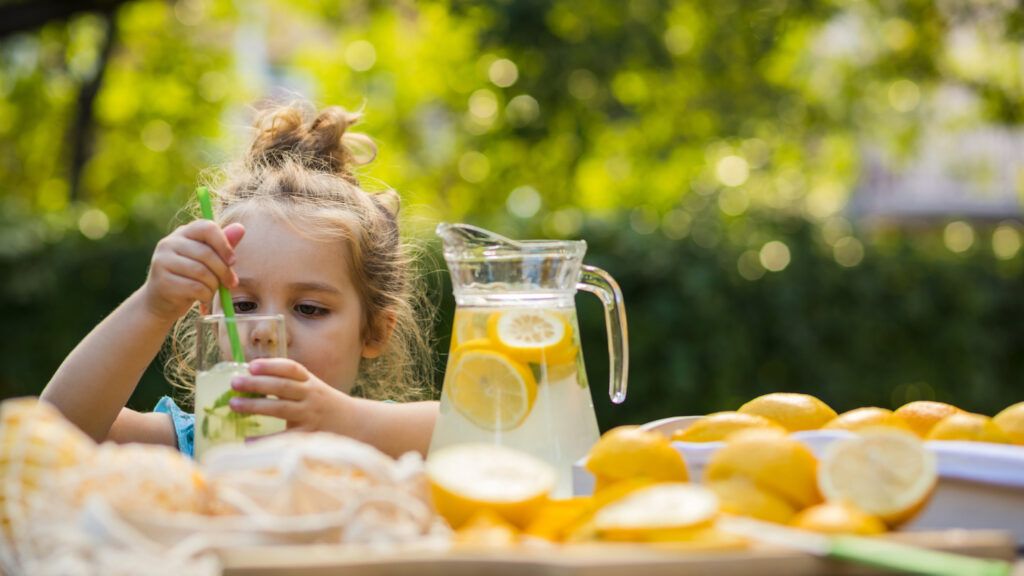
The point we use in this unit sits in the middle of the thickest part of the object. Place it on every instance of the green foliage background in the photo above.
(677, 137)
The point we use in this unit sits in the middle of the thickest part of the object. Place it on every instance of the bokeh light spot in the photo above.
(958, 236)
(733, 202)
(732, 170)
(503, 72)
(749, 265)
(904, 95)
(474, 167)
(93, 224)
(522, 109)
(678, 40)
(157, 135)
(774, 256)
(483, 104)
(360, 55)
(524, 202)
(582, 84)
(675, 224)
(564, 223)
(643, 220)
(1005, 242)
(848, 252)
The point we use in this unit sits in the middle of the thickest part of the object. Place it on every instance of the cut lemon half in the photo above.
(537, 336)
(652, 513)
(889, 474)
(469, 479)
(490, 389)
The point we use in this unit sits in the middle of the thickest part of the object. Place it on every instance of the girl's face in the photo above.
(308, 282)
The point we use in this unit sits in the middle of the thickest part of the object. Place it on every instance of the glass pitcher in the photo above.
(515, 373)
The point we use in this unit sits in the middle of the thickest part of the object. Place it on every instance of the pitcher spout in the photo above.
(459, 238)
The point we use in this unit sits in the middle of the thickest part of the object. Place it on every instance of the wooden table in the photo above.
(589, 560)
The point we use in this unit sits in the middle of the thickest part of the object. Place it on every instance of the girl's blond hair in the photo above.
(300, 167)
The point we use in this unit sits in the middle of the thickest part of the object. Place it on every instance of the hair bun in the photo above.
(318, 141)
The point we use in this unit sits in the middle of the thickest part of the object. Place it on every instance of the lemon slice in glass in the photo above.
(536, 336)
(491, 390)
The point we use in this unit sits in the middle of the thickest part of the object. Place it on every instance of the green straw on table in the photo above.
(225, 297)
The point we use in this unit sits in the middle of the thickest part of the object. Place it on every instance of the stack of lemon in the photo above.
(879, 479)
(865, 483)
(798, 412)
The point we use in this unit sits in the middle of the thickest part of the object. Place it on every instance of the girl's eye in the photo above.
(244, 307)
(310, 310)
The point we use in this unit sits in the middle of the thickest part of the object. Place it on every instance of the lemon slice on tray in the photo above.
(490, 389)
(469, 479)
(537, 336)
(658, 512)
(889, 474)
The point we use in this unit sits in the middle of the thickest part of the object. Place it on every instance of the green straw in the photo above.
(225, 297)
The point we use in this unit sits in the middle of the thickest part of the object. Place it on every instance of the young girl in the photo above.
(296, 235)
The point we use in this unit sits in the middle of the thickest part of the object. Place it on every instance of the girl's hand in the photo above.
(188, 265)
(304, 401)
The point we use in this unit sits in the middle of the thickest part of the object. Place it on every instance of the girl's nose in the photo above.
(265, 337)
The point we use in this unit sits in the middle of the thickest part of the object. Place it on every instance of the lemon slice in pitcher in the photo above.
(532, 335)
(492, 390)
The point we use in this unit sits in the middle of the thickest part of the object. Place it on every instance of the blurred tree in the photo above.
(719, 141)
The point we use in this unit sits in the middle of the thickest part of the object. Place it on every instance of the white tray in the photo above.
(981, 486)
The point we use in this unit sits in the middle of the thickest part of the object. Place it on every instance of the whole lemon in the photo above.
(774, 462)
(629, 453)
(923, 415)
(716, 427)
(793, 411)
(1011, 422)
(969, 427)
(740, 495)
(867, 417)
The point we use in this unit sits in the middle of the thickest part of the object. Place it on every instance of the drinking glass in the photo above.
(260, 336)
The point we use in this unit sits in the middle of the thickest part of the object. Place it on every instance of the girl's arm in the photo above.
(395, 428)
(95, 381)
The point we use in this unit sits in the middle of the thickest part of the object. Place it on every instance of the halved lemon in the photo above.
(656, 512)
(538, 336)
(490, 389)
(469, 479)
(887, 473)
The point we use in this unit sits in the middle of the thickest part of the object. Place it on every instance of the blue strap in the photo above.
(184, 424)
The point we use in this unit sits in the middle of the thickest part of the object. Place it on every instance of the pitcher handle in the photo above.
(602, 285)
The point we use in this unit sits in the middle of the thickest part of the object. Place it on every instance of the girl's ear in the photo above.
(378, 336)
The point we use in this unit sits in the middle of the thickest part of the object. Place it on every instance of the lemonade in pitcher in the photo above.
(515, 374)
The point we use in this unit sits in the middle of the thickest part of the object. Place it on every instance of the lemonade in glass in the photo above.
(261, 336)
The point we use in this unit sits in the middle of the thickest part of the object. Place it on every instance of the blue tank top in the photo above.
(184, 424)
